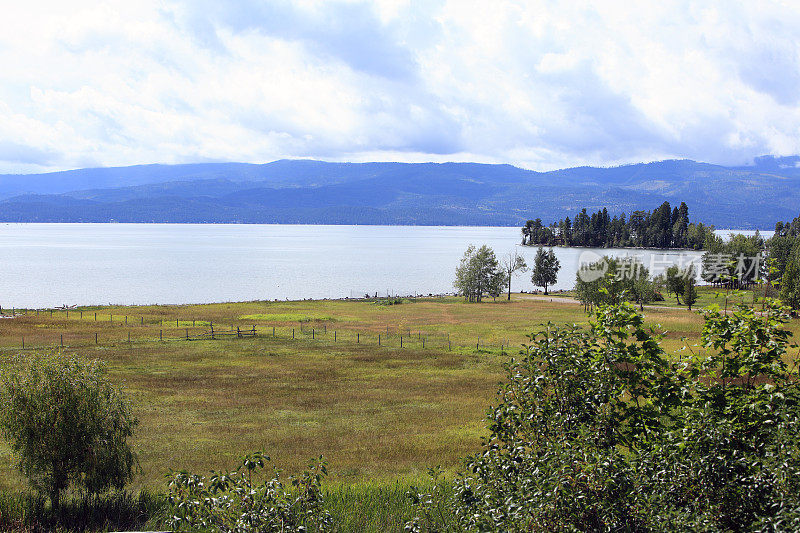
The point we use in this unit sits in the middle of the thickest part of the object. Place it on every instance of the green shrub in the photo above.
(67, 423)
(597, 430)
(243, 500)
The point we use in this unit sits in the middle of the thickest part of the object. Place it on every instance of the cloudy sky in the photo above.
(537, 84)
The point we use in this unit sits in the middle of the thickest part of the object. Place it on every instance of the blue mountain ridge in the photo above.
(317, 192)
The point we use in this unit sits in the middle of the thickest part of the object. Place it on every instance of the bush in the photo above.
(67, 423)
(242, 500)
(597, 430)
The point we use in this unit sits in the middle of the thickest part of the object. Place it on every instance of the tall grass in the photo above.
(24, 511)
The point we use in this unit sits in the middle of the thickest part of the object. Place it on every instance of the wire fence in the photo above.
(140, 329)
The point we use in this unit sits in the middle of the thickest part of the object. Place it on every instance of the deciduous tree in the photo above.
(67, 423)
(513, 263)
(479, 273)
(545, 268)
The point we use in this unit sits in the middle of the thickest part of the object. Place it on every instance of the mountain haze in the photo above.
(316, 192)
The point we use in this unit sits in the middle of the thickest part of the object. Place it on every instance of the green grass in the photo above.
(355, 507)
(382, 415)
(285, 317)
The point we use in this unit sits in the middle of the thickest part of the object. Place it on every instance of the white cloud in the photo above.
(538, 84)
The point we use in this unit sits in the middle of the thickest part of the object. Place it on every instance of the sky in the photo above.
(537, 84)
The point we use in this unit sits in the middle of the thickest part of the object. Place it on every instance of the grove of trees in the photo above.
(783, 267)
(618, 279)
(479, 274)
(664, 227)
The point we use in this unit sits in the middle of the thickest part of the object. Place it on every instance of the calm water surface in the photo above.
(45, 265)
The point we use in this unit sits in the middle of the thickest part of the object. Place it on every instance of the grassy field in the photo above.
(380, 414)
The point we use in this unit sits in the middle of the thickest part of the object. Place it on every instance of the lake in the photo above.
(46, 265)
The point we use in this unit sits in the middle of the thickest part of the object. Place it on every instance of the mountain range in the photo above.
(317, 192)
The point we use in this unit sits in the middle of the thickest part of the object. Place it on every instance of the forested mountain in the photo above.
(315, 192)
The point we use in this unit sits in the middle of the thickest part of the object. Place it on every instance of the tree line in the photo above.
(745, 261)
(783, 261)
(664, 227)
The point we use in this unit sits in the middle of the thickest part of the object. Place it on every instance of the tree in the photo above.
(790, 281)
(479, 273)
(545, 268)
(68, 424)
(613, 280)
(675, 282)
(689, 290)
(513, 263)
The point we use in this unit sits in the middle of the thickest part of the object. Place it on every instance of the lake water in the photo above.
(46, 265)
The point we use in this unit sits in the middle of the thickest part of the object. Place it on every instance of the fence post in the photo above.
(212, 331)
(312, 333)
(325, 328)
(176, 323)
(95, 315)
(187, 334)
(401, 341)
(273, 331)
(62, 340)
(37, 312)
(292, 333)
(358, 338)
(95, 338)
(126, 320)
(111, 317)
(238, 333)
(379, 339)
(161, 334)
(334, 335)
(193, 322)
(142, 322)
(423, 342)
(449, 346)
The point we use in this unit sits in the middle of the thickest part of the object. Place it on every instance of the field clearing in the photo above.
(378, 413)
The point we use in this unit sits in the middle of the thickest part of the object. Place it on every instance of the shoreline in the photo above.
(615, 248)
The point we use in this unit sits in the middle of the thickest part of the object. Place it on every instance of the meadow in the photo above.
(322, 385)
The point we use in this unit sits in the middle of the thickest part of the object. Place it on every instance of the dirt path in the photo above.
(549, 298)
(570, 300)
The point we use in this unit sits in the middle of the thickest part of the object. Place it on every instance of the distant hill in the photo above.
(316, 192)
